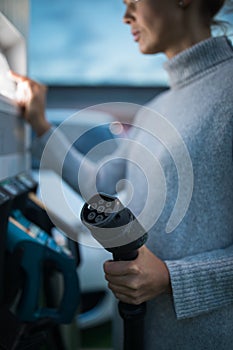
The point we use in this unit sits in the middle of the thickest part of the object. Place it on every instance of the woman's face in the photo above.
(156, 25)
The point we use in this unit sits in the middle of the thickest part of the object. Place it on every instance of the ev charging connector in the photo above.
(116, 228)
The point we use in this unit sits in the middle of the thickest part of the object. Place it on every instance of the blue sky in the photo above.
(85, 42)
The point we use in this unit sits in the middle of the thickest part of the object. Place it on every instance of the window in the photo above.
(81, 45)
(80, 42)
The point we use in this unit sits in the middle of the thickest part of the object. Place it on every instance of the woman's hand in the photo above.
(31, 97)
(139, 280)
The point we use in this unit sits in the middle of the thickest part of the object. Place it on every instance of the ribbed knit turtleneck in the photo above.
(194, 61)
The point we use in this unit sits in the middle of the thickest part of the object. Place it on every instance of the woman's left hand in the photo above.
(139, 280)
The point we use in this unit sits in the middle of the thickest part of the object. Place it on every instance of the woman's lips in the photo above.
(136, 35)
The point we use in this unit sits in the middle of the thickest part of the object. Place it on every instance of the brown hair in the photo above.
(212, 7)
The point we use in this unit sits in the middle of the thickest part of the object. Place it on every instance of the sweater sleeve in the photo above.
(58, 154)
(202, 283)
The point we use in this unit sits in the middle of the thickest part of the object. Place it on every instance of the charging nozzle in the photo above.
(114, 226)
(118, 231)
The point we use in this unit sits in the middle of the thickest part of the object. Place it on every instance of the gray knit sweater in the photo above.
(199, 250)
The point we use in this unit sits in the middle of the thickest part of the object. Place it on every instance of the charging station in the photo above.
(34, 268)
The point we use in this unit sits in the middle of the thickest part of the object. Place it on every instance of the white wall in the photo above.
(17, 12)
(14, 134)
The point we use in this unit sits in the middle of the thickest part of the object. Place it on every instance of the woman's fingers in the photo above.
(17, 78)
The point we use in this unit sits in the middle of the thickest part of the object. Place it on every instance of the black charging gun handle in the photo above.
(103, 211)
(131, 255)
(133, 315)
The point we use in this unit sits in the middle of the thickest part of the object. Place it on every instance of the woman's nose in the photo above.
(128, 17)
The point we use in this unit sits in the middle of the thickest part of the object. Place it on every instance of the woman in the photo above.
(186, 277)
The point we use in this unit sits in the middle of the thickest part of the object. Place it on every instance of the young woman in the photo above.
(185, 277)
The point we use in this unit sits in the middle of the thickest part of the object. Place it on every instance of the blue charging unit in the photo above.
(37, 248)
(5, 205)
